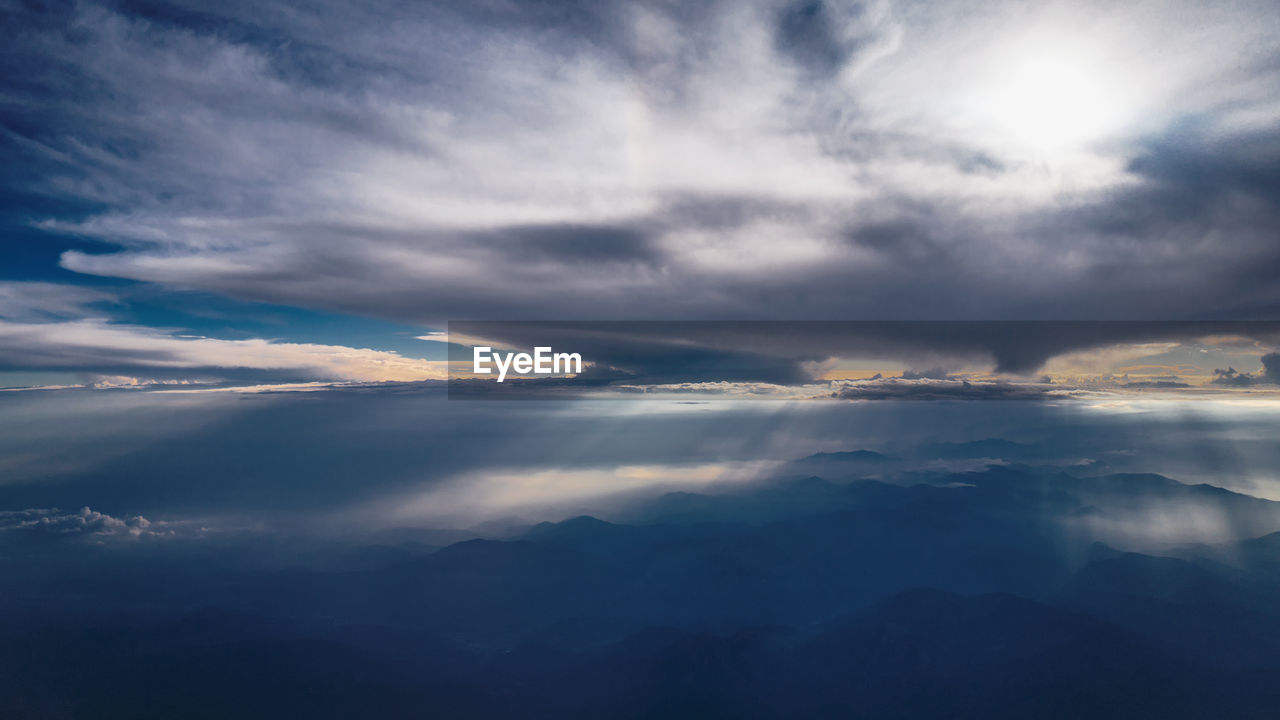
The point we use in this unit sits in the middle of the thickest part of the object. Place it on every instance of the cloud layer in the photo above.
(95, 345)
(47, 326)
(647, 160)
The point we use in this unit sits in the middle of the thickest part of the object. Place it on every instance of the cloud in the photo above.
(631, 353)
(825, 36)
(930, 374)
(1156, 384)
(54, 522)
(643, 160)
(97, 346)
(1271, 367)
(1268, 375)
(936, 389)
(782, 352)
(1231, 377)
(43, 301)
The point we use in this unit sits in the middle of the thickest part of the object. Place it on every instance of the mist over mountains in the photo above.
(883, 589)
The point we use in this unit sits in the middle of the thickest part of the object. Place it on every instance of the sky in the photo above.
(210, 209)
(304, 191)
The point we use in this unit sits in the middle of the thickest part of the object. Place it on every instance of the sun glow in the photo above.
(1055, 103)
(1051, 100)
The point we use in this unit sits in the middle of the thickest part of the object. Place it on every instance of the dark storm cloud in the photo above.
(1203, 196)
(1268, 375)
(907, 388)
(1191, 166)
(776, 352)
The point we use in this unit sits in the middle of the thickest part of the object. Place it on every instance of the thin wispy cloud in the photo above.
(93, 345)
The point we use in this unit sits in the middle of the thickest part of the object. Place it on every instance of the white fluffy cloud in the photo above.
(52, 521)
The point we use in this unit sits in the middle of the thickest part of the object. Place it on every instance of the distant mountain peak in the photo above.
(847, 456)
